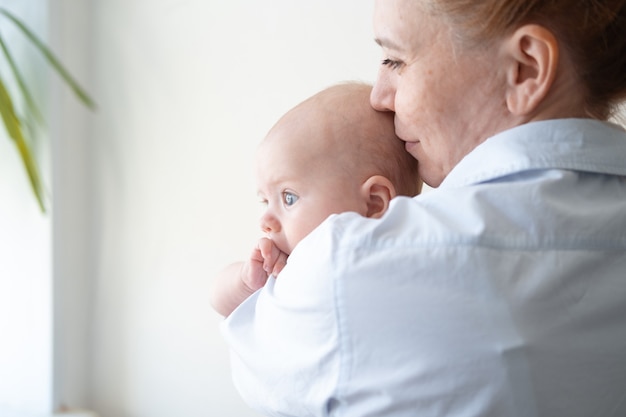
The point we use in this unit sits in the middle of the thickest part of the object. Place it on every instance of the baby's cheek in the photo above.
(296, 237)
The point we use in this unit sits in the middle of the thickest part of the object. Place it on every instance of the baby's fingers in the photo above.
(274, 258)
(280, 263)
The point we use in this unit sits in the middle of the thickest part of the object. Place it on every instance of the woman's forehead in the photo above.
(401, 25)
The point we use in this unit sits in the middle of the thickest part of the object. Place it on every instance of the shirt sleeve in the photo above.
(284, 340)
(433, 311)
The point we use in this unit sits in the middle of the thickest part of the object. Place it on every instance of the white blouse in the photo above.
(500, 293)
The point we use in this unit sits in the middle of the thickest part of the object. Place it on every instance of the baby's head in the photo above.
(330, 154)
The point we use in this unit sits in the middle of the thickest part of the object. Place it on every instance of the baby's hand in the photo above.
(266, 259)
(252, 273)
(274, 259)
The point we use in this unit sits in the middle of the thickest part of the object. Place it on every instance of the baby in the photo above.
(330, 154)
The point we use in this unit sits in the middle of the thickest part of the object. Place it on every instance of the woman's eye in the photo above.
(391, 63)
(289, 198)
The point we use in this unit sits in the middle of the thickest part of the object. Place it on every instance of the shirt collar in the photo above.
(575, 144)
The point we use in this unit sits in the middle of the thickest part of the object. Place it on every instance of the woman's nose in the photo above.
(269, 223)
(382, 96)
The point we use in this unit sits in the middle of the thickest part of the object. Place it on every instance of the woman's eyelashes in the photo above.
(391, 63)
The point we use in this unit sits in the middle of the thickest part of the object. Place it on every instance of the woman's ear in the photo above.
(534, 53)
(377, 192)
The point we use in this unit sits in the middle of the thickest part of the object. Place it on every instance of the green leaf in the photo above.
(14, 128)
(20, 82)
(52, 60)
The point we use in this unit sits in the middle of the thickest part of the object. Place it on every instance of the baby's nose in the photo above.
(269, 224)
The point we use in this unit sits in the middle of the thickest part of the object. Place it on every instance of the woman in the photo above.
(503, 291)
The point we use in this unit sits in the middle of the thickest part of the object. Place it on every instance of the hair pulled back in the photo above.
(592, 32)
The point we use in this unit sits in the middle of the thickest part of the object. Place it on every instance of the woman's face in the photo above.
(447, 99)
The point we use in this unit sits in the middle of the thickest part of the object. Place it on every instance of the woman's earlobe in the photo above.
(378, 192)
(534, 53)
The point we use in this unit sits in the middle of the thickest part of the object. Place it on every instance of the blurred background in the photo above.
(103, 299)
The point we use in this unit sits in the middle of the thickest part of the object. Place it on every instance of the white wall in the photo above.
(74, 245)
(156, 192)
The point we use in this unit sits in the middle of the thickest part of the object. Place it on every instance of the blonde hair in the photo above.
(592, 32)
(383, 151)
(369, 142)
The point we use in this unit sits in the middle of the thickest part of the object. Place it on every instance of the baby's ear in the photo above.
(377, 192)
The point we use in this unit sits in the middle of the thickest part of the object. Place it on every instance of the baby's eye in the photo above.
(393, 64)
(289, 198)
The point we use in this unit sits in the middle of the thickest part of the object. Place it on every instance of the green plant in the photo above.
(14, 125)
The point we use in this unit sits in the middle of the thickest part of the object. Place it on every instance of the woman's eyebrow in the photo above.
(387, 43)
